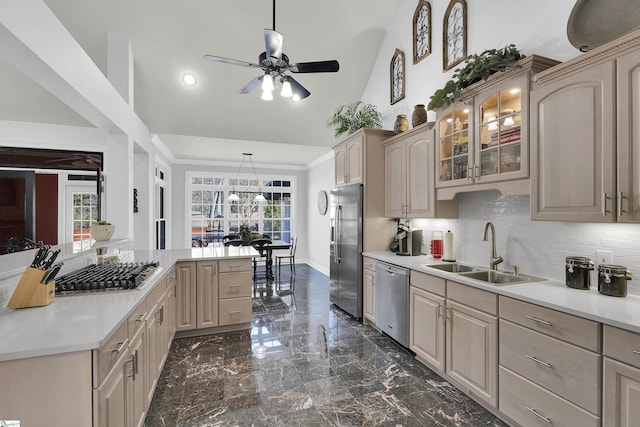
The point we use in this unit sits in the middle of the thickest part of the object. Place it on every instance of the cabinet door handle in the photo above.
(470, 173)
(161, 311)
(535, 319)
(537, 414)
(141, 317)
(439, 311)
(121, 346)
(135, 362)
(535, 359)
(604, 204)
(476, 172)
(619, 200)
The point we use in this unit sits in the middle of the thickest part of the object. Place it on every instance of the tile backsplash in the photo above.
(539, 248)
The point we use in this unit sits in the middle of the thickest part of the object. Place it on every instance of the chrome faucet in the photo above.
(495, 259)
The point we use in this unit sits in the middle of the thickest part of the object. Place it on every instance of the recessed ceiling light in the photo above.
(189, 79)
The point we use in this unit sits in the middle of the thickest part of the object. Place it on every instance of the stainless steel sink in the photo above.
(452, 267)
(499, 278)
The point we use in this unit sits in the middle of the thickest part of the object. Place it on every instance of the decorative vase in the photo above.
(401, 124)
(419, 115)
(102, 232)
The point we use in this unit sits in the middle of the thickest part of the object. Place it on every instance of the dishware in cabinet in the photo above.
(455, 159)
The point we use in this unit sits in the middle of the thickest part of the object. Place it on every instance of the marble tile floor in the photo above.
(304, 363)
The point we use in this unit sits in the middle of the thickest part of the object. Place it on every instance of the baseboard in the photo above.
(314, 266)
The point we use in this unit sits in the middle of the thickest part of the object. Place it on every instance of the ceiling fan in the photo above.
(275, 64)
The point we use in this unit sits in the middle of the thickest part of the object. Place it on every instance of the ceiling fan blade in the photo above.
(273, 43)
(298, 89)
(315, 67)
(251, 85)
(231, 61)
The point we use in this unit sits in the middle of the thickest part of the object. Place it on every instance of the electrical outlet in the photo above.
(604, 257)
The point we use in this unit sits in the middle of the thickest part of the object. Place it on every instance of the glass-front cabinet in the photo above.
(455, 157)
(500, 133)
(484, 138)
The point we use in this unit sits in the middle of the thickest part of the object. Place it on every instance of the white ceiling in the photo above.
(211, 121)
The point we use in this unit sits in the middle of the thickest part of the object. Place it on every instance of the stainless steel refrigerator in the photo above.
(346, 249)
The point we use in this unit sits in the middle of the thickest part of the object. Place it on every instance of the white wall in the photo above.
(534, 27)
(320, 176)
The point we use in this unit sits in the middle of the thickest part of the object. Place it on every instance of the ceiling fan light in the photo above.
(286, 91)
(267, 95)
(295, 97)
(260, 198)
(189, 79)
(267, 83)
(233, 197)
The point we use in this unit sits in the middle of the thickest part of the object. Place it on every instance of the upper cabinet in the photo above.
(585, 133)
(351, 155)
(483, 140)
(409, 176)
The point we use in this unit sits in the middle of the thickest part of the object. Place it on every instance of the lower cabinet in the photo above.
(472, 341)
(549, 371)
(427, 319)
(621, 378)
(369, 289)
(212, 294)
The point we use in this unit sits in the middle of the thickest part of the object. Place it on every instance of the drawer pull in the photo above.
(535, 319)
(636, 352)
(535, 359)
(140, 317)
(537, 414)
(233, 313)
(121, 346)
(234, 286)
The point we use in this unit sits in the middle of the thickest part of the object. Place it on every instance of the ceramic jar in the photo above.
(401, 124)
(419, 115)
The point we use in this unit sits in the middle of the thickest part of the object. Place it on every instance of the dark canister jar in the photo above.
(419, 115)
(577, 272)
(612, 280)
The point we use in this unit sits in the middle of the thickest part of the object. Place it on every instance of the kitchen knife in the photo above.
(52, 273)
(49, 262)
(40, 256)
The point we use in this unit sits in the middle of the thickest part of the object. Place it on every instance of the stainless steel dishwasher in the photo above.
(392, 301)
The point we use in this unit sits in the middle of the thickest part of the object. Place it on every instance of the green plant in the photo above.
(476, 67)
(349, 118)
(102, 223)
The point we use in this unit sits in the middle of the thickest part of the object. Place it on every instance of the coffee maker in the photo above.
(409, 241)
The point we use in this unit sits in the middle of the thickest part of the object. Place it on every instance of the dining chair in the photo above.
(291, 257)
(238, 242)
(259, 244)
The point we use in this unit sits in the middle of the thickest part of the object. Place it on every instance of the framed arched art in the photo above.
(421, 31)
(397, 76)
(454, 41)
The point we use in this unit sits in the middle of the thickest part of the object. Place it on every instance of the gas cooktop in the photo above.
(104, 278)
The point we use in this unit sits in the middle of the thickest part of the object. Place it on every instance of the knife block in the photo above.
(31, 292)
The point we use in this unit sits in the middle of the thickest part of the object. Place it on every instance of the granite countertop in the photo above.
(85, 322)
(620, 312)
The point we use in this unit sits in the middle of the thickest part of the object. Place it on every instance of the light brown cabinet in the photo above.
(483, 142)
(409, 176)
(588, 172)
(349, 161)
(552, 358)
(213, 294)
(621, 378)
(369, 290)
(427, 327)
(206, 294)
(472, 340)
(185, 296)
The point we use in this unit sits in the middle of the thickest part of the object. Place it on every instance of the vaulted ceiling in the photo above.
(210, 120)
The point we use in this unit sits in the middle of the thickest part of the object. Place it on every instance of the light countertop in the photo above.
(621, 312)
(85, 322)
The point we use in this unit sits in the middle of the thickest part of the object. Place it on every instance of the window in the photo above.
(160, 207)
(85, 212)
(212, 217)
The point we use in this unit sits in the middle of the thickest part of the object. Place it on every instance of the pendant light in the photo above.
(233, 196)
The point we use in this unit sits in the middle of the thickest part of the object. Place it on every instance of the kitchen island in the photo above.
(94, 359)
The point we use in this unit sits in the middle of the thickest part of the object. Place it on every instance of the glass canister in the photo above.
(577, 272)
(612, 280)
